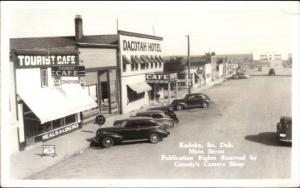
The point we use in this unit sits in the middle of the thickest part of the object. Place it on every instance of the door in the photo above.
(130, 131)
(193, 101)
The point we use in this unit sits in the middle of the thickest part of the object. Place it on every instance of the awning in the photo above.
(144, 58)
(125, 59)
(154, 60)
(53, 103)
(140, 87)
(161, 59)
(158, 59)
(136, 59)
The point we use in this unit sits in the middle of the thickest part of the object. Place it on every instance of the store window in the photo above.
(143, 66)
(136, 66)
(133, 96)
(132, 67)
(44, 77)
(151, 65)
(147, 65)
(124, 67)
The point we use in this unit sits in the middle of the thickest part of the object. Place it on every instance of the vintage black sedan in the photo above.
(167, 110)
(192, 100)
(284, 129)
(240, 75)
(131, 129)
(159, 116)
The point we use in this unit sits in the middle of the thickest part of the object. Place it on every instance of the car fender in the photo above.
(115, 136)
(160, 132)
(180, 103)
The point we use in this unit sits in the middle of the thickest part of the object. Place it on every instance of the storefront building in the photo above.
(139, 55)
(163, 84)
(200, 73)
(46, 89)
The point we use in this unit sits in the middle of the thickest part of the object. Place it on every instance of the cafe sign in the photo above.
(68, 71)
(32, 61)
(161, 77)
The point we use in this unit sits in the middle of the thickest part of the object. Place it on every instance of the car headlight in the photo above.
(282, 135)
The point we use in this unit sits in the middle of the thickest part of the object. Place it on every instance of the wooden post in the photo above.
(169, 92)
(108, 91)
(176, 89)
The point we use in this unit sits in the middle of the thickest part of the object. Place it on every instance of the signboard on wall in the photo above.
(31, 61)
(133, 45)
(60, 131)
(161, 77)
(68, 71)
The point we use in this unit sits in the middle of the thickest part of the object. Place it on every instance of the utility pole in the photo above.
(189, 64)
(117, 25)
(153, 31)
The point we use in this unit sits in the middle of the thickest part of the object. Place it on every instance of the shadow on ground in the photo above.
(267, 138)
(282, 75)
(97, 146)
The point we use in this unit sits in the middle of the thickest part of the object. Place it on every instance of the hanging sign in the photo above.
(68, 71)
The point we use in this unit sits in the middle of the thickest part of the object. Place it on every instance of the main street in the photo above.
(244, 117)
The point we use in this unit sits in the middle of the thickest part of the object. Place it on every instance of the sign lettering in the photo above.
(141, 46)
(29, 61)
(166, 77)
(68, 71)
(60, 131)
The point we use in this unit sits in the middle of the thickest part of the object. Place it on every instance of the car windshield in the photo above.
(120, 123)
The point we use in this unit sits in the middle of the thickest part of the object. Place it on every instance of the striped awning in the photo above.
(140, 87)
(126, 60)
(136, 59)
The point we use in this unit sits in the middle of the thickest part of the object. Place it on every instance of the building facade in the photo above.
(139, 55)
(44, 95)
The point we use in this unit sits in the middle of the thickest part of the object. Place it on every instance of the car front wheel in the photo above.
(204, 105)
(107, 142)
(179, 107)
(154, 138)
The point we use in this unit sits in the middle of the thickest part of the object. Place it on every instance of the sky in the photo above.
(222, 27)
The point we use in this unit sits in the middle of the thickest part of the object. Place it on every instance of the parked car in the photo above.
(259, 68)
(167, 110)
(271, 72)
(159, 116)
(240, 75)
(138, 128)
(284, 129)
(192, 100)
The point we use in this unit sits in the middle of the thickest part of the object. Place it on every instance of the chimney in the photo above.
(78, 28)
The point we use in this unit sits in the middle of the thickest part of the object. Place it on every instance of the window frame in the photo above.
(44, 77)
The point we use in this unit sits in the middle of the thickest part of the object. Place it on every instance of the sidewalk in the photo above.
(30, 161)
(26, 163)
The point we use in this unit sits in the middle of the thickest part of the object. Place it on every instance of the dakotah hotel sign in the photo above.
(133, 45)
(30, 61)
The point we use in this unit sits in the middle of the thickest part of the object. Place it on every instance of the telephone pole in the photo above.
(189, 64)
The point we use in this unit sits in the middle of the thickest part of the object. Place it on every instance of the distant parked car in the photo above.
(259, 68)
(192, 100)
(284, 129)
(271, 72)
(159, 116)
(240, 75)
(167, 110)
(139, 128)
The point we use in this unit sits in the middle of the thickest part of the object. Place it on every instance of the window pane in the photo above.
(70, 119)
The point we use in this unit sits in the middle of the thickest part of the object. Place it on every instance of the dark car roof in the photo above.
(196, 94)
(150, 112)
(286, 118)
(135, 118)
